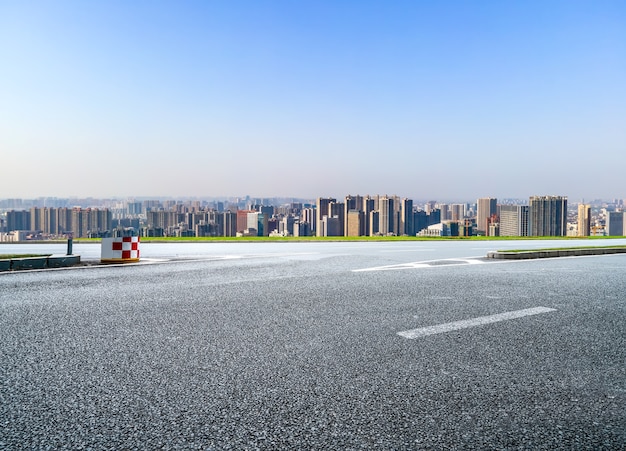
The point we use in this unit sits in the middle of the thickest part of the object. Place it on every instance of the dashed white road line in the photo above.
(464, 324)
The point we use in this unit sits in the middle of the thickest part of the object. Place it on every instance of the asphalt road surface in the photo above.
(311, 346)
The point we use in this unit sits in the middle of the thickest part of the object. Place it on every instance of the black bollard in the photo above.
(69, 246)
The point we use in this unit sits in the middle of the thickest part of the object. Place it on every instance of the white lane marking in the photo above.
(427, 264)
(394, 267)
(464, 324)
(406, 250)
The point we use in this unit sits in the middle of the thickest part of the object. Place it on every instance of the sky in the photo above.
(447, 100)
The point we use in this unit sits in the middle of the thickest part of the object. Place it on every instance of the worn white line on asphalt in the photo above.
(428, 264)
(406, 250)
(464, 324)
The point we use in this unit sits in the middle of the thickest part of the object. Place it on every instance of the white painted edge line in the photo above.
(481, 320)
(407, 250)
(425, 264)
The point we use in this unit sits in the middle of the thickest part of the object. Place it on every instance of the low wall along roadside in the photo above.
(52, 261)
(552, 253)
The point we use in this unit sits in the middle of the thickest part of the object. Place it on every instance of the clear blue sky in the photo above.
(425, 99)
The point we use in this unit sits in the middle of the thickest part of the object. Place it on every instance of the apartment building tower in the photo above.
(322, 209)
(615, 223)
(486, 207)
(584, 219)
(513, 220)
(547, 216)
(406, 218)
(386, 223)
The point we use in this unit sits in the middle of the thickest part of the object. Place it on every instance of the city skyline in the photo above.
(523, 196)
(206, 99)
(100, 202)
(378, 215)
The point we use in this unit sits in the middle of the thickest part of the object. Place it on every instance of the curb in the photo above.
(527, 255)
(58, 261)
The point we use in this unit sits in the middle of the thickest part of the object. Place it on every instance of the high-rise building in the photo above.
(368, 207)
(302, 229)
(157, 219)
(259, 222)
(286, 225)
(420, 221)
(374, 222)
(444, 211)
(615, 223)
(308, 216)
(330, 226)
(267, 210)
(133, 208)
(242, 219)
(547, 216)
(513, 220)
(457, 212)
(356, 223)
(65, 220)
(466, 227)
(386, 219)
(45, 220)
(90, 222)
(406, 218)
(351, 203)
(397, 215)
(230, 223)
(337, 210)
(323, 209)
(486, 207)
(434, 217)
(584, 220)
(18, 220)
(37, 218)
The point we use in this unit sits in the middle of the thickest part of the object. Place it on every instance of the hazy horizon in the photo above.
(454, 100)
(41, 200)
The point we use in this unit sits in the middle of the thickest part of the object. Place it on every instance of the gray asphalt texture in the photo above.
(298, 351)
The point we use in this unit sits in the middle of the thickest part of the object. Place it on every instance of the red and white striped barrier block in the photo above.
(120, 249)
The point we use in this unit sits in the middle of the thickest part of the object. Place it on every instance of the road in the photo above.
(316, 346)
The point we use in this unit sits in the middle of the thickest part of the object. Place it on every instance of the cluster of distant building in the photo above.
(547, 216)
(353, 216)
